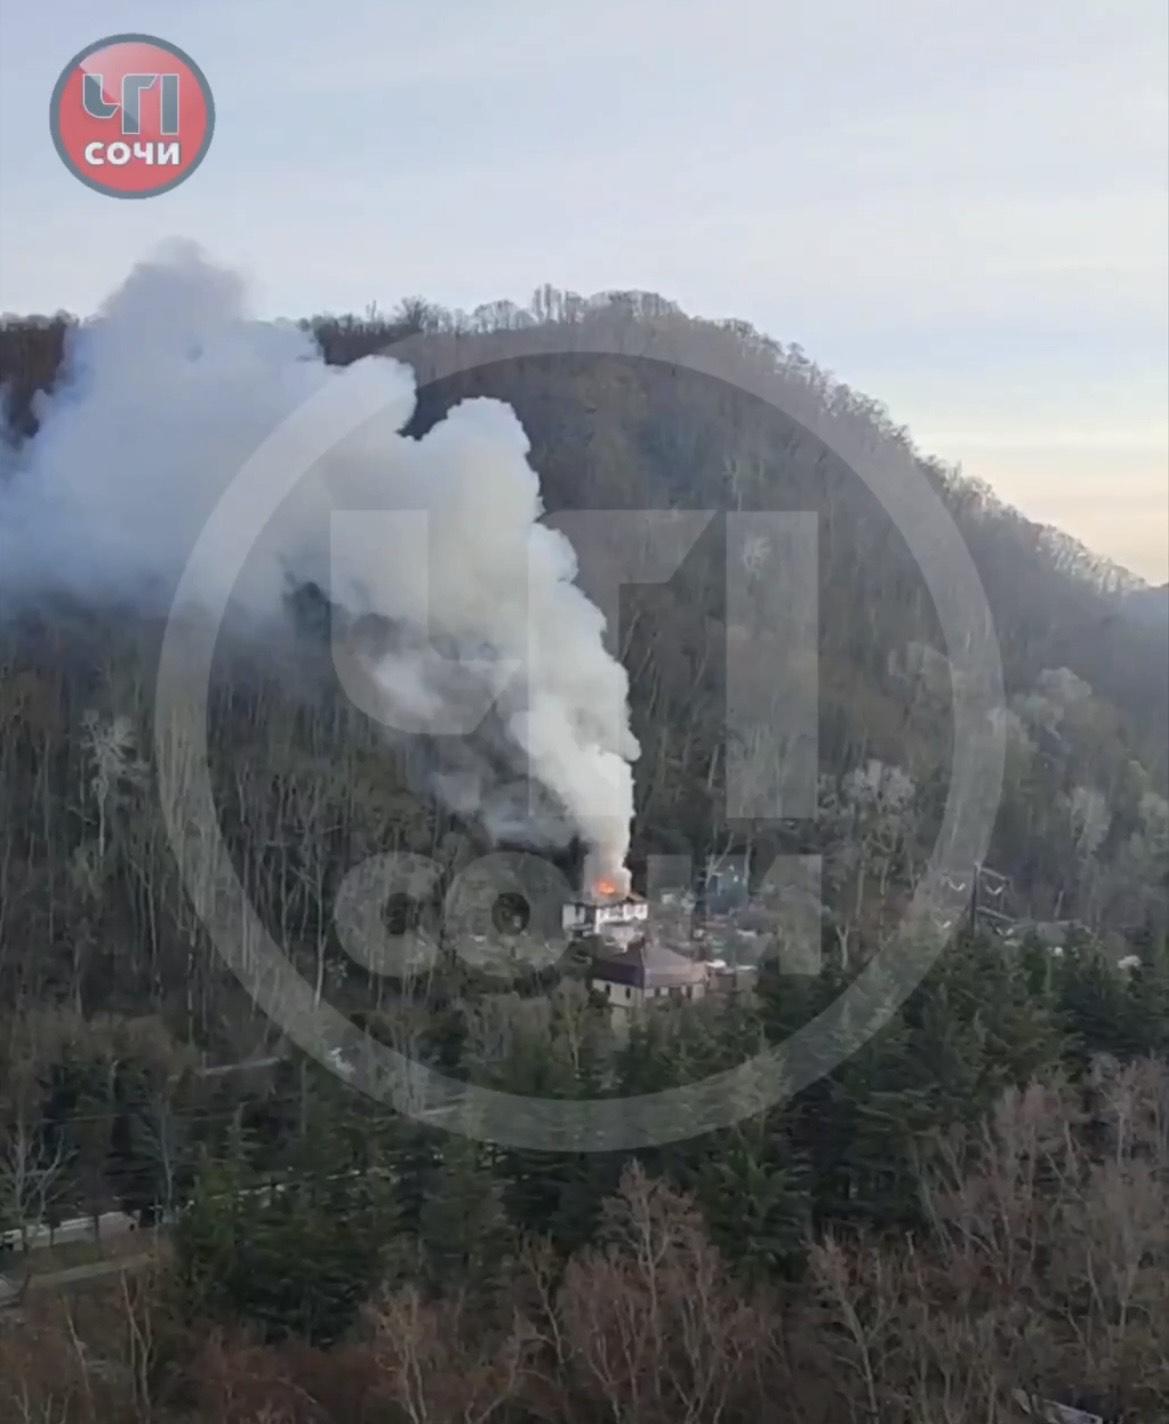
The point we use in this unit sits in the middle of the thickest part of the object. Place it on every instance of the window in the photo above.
(629, 993)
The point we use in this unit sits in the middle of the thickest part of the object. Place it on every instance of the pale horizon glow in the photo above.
(959, 210)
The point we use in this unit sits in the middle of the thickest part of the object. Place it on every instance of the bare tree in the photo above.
(30, 1177)
(651, 1326)
(438, 1369)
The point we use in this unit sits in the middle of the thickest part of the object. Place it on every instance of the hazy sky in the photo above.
(960, 209)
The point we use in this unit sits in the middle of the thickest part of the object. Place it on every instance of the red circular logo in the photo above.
(132, 116)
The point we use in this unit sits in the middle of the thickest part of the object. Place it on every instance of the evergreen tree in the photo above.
(295, 1257)
(753, 1191)
(1096, 1004)
(1148, 996)
(466, 1244)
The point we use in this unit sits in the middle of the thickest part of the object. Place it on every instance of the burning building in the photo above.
(608, 913)
(627, 964)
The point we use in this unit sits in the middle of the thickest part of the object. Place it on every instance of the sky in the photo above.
(960, 209)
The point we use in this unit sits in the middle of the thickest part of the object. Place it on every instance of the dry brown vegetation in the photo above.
(1044, 1268)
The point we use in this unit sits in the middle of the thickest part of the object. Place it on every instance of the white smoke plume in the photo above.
(164, 396)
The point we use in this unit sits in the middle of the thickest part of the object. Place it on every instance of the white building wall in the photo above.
(629, 996)
(577, 916)
(618, 996)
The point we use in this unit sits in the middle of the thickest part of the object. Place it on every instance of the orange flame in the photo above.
(605, 887)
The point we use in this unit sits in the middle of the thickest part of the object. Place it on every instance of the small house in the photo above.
(645, 971)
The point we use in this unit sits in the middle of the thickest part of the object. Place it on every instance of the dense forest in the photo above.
(968, 1214)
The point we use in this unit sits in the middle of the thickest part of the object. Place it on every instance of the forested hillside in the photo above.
(1083, 829)
(970, 1209)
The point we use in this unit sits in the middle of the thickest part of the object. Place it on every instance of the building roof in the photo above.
(646, 965)
(587, 897)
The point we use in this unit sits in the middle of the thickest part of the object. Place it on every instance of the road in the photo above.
(79, 1228)
(12, 1292)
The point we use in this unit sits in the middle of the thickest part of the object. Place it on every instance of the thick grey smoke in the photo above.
(165, 395)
